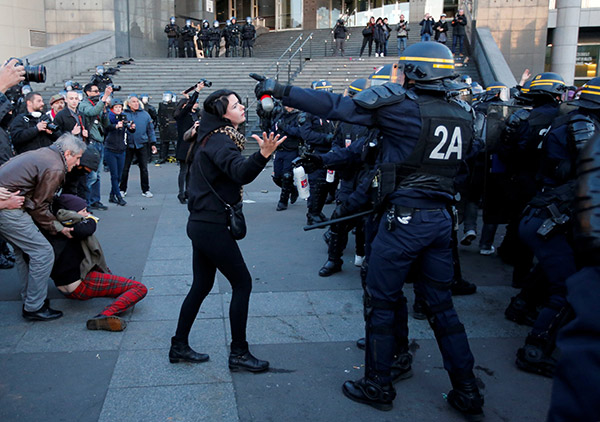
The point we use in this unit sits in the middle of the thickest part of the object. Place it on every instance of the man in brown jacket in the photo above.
(37, 175)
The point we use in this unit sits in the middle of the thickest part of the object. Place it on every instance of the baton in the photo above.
(337, 220)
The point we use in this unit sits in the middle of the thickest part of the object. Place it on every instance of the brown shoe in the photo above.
(107, 323)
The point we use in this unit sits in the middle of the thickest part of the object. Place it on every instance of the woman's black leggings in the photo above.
(214, 248)
(367, 40)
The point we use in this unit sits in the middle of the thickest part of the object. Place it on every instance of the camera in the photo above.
(52, 127)
(122, 118)
(32, 73)
(206, 82)
(115, 87)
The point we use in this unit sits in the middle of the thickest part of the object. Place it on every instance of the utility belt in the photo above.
(402, 215)
(555, 221)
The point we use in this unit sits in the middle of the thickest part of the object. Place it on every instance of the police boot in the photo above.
(294, 195)
(334, 260)
(287, 187)
(466, 398)
(371, 391)
(283, 201)
(176, 51)
(520, 312)
(402, 367)
(536, 355)
(315, 218)
(419, 310)
(361, 343)
(461, 287)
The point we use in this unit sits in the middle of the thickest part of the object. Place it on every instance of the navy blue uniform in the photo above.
(427, 235)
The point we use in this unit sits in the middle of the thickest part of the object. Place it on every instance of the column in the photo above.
(564, 42)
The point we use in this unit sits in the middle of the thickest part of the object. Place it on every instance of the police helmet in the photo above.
(466, 79)
(144, 98)
(117, 101)
(233, 18)
(341, 21)
(387, 73)
(476, 88)
(228, 22)
(216, 24)
(80, 95)
(205, 24)
(26, 89)
(547, 83)
(100, 70)
(248, 20)
(167, 96)
(589, 96)
(427, 62)
(322, 85)
(357, 86)
(172, 20)
(498, 90)
(69, 85)
(188, 22)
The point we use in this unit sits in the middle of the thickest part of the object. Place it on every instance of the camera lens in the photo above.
(35, 73)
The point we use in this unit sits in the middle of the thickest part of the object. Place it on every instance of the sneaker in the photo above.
(123, 193)
(98, 206)
(147, 194)
(376, 54)
(468, 237)
(358, 260)
(487, 251)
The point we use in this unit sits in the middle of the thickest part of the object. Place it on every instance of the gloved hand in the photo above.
(266, 86)
(340, 211)
(309, 161)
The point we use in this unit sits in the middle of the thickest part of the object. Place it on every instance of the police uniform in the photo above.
(187, 35)
(204, 39)
(215, 40)
(424, 136)
(248, 33)
(232, 37)
(167, 127)
(172, 30)
(287, 124)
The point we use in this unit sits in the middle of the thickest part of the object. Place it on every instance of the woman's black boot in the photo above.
(182, 352)
(241, 359)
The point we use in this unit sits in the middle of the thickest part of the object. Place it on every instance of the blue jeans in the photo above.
(457, 40)
(93, 180)
(425, 37)
(401, 44)
(115, 162)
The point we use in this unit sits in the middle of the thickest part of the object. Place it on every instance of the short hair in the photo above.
(88, 87)
(217, 102)
(29, 96)
(69, 142)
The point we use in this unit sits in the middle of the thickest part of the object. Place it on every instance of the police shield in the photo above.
(496, 122)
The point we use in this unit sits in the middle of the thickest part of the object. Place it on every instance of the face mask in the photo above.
(36, 114)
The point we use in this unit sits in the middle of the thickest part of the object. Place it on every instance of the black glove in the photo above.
(311, 162)
(340, 211)
(269, 87)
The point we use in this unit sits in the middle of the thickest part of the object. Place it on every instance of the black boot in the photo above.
(287, 188)
(361, 343)
(241, 359)
(402, 367)
(520, 312)
(315, 218)
(369, 391)
(419, 310)
(182, 352)
(461, 287)
(466, 398)
(331, 267)
(536, 356)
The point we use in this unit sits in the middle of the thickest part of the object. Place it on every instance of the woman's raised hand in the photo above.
(269, 143)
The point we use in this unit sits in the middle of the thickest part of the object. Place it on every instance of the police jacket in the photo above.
(215, 35)
(153, 113)
(459, 23)
(234, 30)
(6, 152)
(290, 124)
(116, 140)
(223, 166)
(204, 35)
(101, 81)
(187, 33)
(421, 134)
(317, 133)
(144, 129)
(172, 30)
(25, 135)
(95, 119)
(248, 32)
(340, 31)
(37, 175)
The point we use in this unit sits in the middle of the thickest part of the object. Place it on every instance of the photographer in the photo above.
(136, 145)
(30, 131)
(115, 146)
(69, 119)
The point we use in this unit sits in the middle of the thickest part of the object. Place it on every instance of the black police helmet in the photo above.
(427, 62)
(589, 96)
(547, 83)
(357, 86)
(322, 85)
(386, 73)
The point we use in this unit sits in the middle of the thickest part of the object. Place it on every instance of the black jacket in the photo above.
(444, 26)
(25, 135)
(459, 22)
(185, 118)
(339, 31)
(225, 169)
(66, 122)
(6, 152)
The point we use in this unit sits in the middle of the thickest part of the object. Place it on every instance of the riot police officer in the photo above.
(204, 38)
(172, 30)
(232, 38)
(248, 34)
(167, 126)
(545, 226)
(424, 136)
(215, 39)
(188, 32)
(101, 80)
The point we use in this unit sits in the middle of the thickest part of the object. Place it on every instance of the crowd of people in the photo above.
(406, 154)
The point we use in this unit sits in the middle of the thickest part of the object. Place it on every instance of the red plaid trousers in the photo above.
(96, 284)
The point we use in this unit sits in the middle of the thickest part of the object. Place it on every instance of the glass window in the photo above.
(266, 11)
(291, 14)
(586, 64)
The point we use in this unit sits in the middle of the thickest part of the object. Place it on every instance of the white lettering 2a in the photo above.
(454, 147)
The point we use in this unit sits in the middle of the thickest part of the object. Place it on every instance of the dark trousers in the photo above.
(457, 40)
(556, 259)
(115, 162)
(214, 249)
(142, 157)
(188, 47)
(426, 237)
(367, 40)
(182, 178)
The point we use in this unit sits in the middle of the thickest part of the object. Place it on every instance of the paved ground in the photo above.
(303, 324)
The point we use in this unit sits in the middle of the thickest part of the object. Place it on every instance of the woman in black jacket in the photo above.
(367, 33)
(379, 37)
(218, 161)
